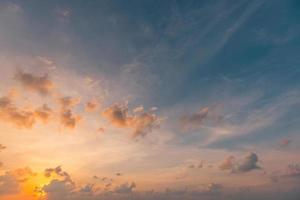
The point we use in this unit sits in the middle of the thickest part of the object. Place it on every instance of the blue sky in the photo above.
(161, 85)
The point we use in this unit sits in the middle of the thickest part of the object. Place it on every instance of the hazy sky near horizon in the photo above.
(125, 100)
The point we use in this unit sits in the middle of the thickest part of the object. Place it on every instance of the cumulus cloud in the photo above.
(41, 84)
(67, 118)
(248, 163)
(58, 172)
(19, 117)
(140, 122)
(22, 118)
(125, 188)
(59, 189)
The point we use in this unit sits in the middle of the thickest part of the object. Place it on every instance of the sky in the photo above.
(149, 100)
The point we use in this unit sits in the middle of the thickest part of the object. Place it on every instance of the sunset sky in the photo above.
(149, 100)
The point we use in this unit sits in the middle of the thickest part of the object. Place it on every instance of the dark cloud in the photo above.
(140, 122)
(58, 172)
(41, 84)
(248, 163)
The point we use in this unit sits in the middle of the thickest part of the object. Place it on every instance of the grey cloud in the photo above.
(246, 164)
(41, 84)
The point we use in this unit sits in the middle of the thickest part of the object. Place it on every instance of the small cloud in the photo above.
(118, 174)
(284, 142)
(47, 62)
(138, 109)
(68, 119)
(43, 113)
(19, 117)
(2, 147)
(292, 170)
(41, 84)
(100, 130)
(214, 188)
(209, 114)
(125, 188)
(91, 105)
(68, 102)
(140, 122)
(58, 172)
(228, 163)
(248, 163)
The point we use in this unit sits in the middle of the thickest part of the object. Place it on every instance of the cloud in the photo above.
(9, 184)
(284, 142)
(140, 122)
(22, 118)
(67, 118)
(19, 117)
(47, 62)
(125, 188)
(228, 163)
(91, 105)
(10, 180)
(58, 172)
(248, 163)
(214, 188)
(292, 170)
(43, 113)
(41, 84)
(68, 102)
(2, 147)
(209, 114)
(59, 189)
